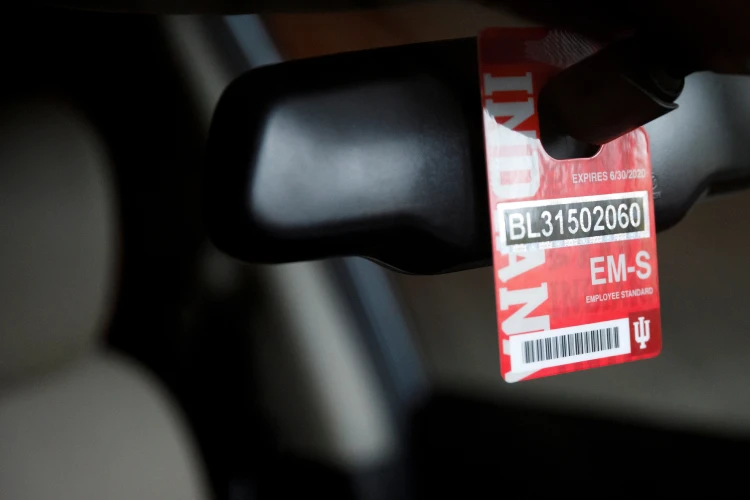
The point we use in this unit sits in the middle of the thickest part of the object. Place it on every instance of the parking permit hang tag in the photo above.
(574, 240)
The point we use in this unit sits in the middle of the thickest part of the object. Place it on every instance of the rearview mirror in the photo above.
(380, 154)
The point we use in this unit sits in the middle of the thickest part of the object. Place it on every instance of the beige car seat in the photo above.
(76, 421)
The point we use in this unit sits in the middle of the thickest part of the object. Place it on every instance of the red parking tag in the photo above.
(574, 240)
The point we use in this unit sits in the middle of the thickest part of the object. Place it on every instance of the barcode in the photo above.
(572, 344)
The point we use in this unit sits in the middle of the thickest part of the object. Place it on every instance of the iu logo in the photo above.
(642, 331)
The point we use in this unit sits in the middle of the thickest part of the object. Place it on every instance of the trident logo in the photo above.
(642, 331)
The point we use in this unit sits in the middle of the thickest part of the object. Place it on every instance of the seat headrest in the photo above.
(57, 236)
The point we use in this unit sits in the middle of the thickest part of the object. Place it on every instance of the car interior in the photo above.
(140, 360)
